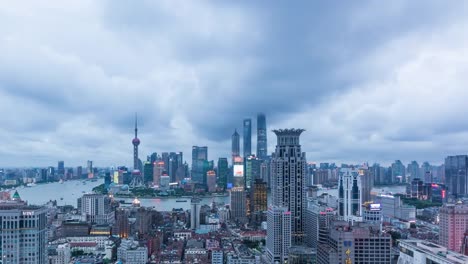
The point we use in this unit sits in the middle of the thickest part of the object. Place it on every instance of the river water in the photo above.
(68, 192)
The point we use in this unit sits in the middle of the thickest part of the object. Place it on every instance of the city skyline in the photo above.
(194, 73)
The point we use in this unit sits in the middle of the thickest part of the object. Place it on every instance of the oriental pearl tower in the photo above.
(135, 143)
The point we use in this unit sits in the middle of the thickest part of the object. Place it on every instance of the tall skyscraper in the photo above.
(279, 234)
(235, 149)
(318, 222)
(398, 172)
(367, 183)
(136, 142)
(199, 164)
(262, 151)
(452, 226)
(258, 201)
(238, 204)
(122, 224)
(247, 141)
(24, 233)
(288, 173)
(195, 213)
(456, 175)
(414, 170)
(223, 172)
(252, 170)
(61, 168)
(349, 195)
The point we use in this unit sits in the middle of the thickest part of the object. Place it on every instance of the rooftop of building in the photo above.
(435, 250)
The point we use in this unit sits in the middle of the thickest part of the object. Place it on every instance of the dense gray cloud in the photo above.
(369, 81)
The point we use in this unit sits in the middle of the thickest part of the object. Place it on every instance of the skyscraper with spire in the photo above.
(135, 143)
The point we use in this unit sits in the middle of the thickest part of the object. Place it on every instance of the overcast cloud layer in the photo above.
(370, 81)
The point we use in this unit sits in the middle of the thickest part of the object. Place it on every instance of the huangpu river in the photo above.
(68, 192)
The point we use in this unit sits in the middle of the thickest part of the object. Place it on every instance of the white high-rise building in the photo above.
(278, 239)
(23, 232)
(288, 174)
(349, 195)
(130, 252)
(96, 208)
(195, 213)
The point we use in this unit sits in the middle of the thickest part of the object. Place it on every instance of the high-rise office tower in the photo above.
(223, 173)
(122, 224)
(195, 213)
(318, 221)
(148, 171)
(61, 168)
(79, 172)
(398, 172)
(23, 234)
(413, 170)
(238, 204)
(258, 202)
(367, 182)
(90, 169)
(252, 170)
(235, 149)
(211, 180)
(279, 234)
(262, 151)
(96, 208)
(135, 143)
(361, 243)
(199, 164)
(456, 175)
(452, 226)
(288, 173)
(349, 195)
(247, 140)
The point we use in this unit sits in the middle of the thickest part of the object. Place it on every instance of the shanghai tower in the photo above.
(288, 170)
(262, 151)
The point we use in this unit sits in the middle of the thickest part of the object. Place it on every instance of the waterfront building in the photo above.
(398, 171)
(238, 204)
(424, 252)
(23, 232)
(452, 225)
(211, 180)
(349, 195)
(262, 151)
(413, 170)
(96, 208)
(279, 234)
(359, 243)
(247, 137)
(456, 175)
(200, 164)
(195, 213)
(223, 173)
(288, 172)
(130, 252)
(148, 172)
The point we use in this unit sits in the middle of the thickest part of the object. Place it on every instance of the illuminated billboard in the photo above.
(116, 177)
(375, 207)
(238, 170)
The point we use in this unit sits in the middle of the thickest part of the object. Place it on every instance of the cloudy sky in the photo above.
(368, 80)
